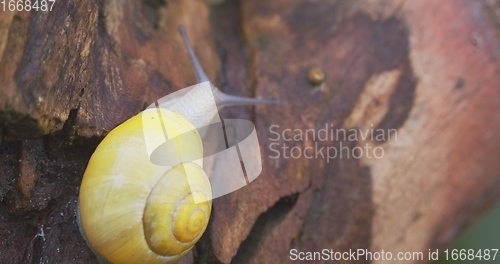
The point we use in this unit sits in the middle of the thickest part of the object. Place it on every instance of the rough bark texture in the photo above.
(428, 69)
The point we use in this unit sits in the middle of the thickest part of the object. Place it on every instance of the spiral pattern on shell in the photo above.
(175, 220)
(134, 211)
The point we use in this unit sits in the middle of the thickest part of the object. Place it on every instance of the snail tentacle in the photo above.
(221, 99)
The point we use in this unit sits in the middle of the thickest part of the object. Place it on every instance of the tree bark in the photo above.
(426, 70)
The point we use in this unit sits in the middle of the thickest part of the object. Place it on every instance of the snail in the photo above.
(131, 210)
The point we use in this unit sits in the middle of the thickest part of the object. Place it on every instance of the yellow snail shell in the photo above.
(132, 210)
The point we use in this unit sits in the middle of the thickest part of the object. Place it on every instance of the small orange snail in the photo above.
(134, 211)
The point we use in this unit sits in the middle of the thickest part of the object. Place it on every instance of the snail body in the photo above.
(135, 210)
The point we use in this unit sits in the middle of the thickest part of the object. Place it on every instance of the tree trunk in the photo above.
(416, 82)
